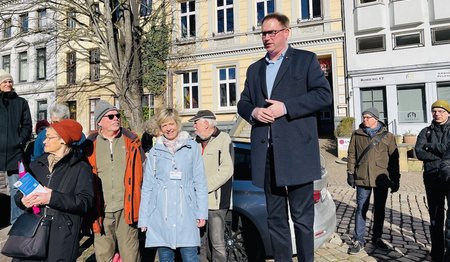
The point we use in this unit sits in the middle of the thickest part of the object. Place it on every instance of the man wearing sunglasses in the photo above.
(116, 157)
(282, 94)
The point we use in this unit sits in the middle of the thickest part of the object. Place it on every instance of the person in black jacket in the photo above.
(69, 193)
(430, 148)
(16, 126)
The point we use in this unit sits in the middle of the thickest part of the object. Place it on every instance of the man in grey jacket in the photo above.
(215, 147)
(370, 169)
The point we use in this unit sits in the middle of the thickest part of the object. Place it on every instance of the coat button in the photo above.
(263, 141)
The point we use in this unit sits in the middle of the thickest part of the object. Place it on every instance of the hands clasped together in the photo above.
(268, 114)
(37, 199)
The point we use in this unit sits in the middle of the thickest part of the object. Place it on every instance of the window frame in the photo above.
(24, 23)
(420, 86)
(440, 86)
(6, 62)
(310, 11)
(23, 66)
(41, 63)
(41, 109)
(227, 82)
(433, 35)
(188, 15)
(225, 7)
(42, 19)
(71, 66)
(265, 11)
(94, 64)
(194, 103)
(7, 28)
(71, 19)
(395, 46)
(146, 8)
(92, 104)
(358, 50)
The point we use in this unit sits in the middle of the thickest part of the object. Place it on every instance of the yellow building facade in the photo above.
(215, 42)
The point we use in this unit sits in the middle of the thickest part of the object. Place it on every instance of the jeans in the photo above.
(436, 190)
(15, 210)
(362, 206)
(213, 239)
(188, 254)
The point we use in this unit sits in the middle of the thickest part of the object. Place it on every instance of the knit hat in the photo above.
(69, 130)
(373, 112)
(441, 103)
(4, 75)
(203, 114)
(101, 108)
(41, 124)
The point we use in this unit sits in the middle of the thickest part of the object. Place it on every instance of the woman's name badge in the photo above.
(176, 175)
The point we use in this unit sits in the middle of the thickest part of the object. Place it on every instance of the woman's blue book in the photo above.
(29, 185)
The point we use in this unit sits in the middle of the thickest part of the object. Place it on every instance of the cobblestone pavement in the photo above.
(405, 228)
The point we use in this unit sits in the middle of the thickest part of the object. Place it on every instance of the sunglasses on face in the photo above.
(111, 117)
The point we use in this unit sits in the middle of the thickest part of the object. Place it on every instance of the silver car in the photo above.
(247, 237)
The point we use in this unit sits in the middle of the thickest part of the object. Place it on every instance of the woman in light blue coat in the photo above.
(174, 197)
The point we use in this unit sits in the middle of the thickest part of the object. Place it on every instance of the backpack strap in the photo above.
(373, 142)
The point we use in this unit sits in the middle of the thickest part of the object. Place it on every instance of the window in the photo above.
(367, 1)
(72, 109)
(242, 163)
(370, 44)
(440, 35)
(411, 103)
(42, 110)
(146, 7)
(7, 28)
(94, 64)
(71, 68)
(92, 104)
(188, 19)
(42, 19)
(227, 86)
(24, 23)
(41, 63)
(95, 13)
(374, 97)
(264, 7)
(225, 16)
(443, 90)
(190, 89)
(148, 104)
(310, 9)
(407, 40)
(6, 61)
(23, 67)
(71, 16)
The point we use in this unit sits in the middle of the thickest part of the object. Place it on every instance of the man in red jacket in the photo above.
(116, 157)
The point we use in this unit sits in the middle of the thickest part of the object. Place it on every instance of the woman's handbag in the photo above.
(28, 237)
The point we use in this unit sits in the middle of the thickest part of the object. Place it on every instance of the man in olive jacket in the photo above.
(216, 155)
(375, 170)
(16, 126)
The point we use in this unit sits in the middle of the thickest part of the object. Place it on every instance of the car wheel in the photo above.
(242, 240)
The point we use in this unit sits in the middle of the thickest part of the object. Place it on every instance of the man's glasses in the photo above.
(111, 117)
(438, 111)
(271, 33)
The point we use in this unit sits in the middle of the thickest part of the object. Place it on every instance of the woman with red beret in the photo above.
(68, 195)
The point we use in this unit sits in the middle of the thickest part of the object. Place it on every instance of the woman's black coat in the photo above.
(68, 204)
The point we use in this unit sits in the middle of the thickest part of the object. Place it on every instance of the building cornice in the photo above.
(251, 49)
(399, 69)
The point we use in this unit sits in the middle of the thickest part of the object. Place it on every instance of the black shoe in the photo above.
(380, 244)
(356, 248)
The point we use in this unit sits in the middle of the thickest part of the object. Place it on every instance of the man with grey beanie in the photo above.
(16, 126)
(116, 157)
(373, 165)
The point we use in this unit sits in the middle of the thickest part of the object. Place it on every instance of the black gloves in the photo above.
(351, 179)
(395, 186)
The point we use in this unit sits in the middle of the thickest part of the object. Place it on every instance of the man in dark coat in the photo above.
(432, 143)
(282, 94)
(16, 126)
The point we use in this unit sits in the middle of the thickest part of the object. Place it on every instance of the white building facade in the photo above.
(398, 59)
(28, 52)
